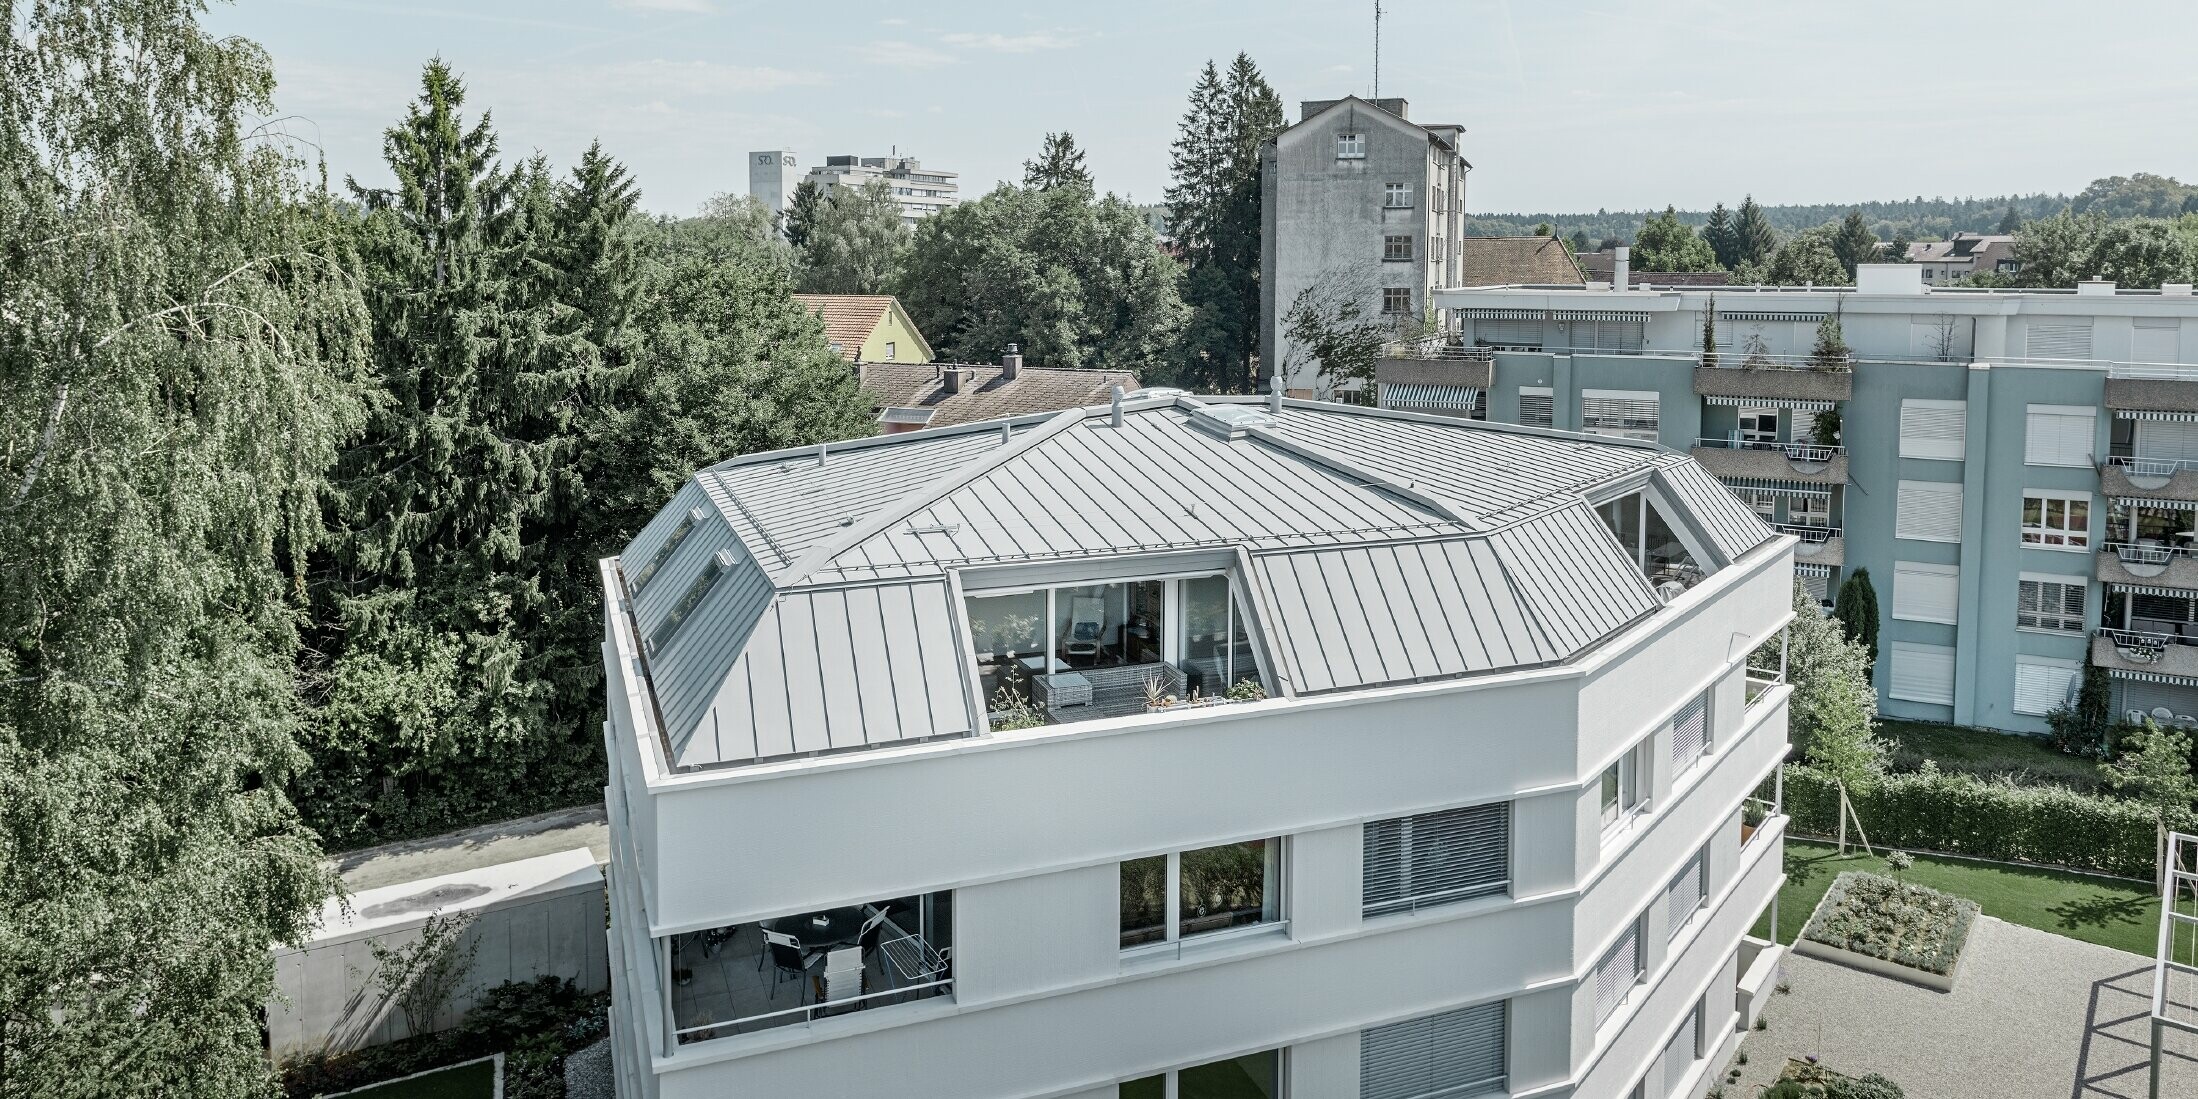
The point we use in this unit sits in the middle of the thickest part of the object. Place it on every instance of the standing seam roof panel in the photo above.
(1733, 527)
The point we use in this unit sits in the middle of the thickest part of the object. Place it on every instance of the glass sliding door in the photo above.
(1007, 632)
(1216, 646)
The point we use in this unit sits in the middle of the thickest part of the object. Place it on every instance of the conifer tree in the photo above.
(181, 338)
(2010, 222)
(1857, 611)
(1059, 164)
(1214, 212)
(1854, 243)
(801, 212)
(1709, 332)
(1753, 238)
(1719, 233)
(431, 667)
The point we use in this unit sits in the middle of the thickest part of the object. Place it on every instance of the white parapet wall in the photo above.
(542, 916)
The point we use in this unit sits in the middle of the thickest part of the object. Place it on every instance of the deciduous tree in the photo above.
(856, 243)
(2154, 769)
(1667, 244)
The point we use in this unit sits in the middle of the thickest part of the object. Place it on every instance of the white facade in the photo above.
(1016, 845)
(772, 176)
(920, 191)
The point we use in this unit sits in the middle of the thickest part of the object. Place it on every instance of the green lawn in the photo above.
(1983, 752)
(469, 1081)
(2122, 914)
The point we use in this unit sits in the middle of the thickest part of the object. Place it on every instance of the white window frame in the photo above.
(1920, 592)
(1350, 146)
(1809, 509)
(1396, 196)
(1638, 931)
(2071, 623)
(1934, 430)
(1698, 868)
(1388, 294)
(1173, 909)
(1629, 794)
(1752, 429)
(2048, 536)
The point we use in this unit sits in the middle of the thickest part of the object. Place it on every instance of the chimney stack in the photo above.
(1621, 267)
(1011, 364)
(952, 377)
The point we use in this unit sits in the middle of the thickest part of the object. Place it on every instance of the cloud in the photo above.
(894, 22)
(683, 7)
(682, 78)
(894, 54)
(1012, 43)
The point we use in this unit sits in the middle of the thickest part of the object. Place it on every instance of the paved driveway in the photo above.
(2032, 1016)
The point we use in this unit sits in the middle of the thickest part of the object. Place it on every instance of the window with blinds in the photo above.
(1454, 1053)
(1680, 1054)
(1508, 333)
(1933, 429)
(1537, 407)
(1922, 673)
(1928, 511)
(1685, 895)
(1690, 733)
(1628, 414)
(1607, 335)
(1926, 593)
(2155, 339)
(2068, 338)
(1436, 858)
(2059, 435)
(2051, 603)
(2041, 685)
(1618, 972)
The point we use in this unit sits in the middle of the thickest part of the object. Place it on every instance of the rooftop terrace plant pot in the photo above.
(1891, 928)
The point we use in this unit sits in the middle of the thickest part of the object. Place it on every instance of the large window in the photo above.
(1396, 196)
(1436, 858)
(1182, 895)
(1396, 301)
(1252, 1076)
(1626, 414)
(1396, 248)
(1625, 786)
(2056, 520)
(1008, 633)
(1216, 647)
(754, 976)
(1448, 1055)
(2050, 603)
(1350, 146)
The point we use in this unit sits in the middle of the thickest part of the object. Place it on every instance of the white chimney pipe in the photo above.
(1117, 406)
(1622, 267)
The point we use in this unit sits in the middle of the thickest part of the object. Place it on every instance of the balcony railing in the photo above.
(1439, 348)
(2139, 466)
(1810, 536)
(1734, 359)
(2140, 648)
(2152, 372)
(2148, 554)
(1797, 453)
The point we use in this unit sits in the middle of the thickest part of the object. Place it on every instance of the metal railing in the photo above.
(2134, 553)
(1735, 359)
(2141, 648)
(807, 1013)
(2152, 372)
(1801, 453)
(2138, 465)
(1440, 347)
(1815, 536)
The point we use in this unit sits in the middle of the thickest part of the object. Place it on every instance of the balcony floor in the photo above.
(729, 985)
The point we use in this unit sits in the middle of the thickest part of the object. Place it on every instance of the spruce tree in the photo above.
(432, 610)
(1719, 234)
(1857, 611)
(1753, 238)
(181, 338)
(1214, 212)
(2010, 222)
(1059, 164)
(801, 211)
(1854, 243)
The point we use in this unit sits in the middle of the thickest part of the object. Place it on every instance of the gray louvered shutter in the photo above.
(1436, 858)
(2067, 339)
(1689, 732)
(1934, 429)
(1679, 1053)
(1616, 973)
(1922, 673)
(1686, 892)
(1928, 511)
(1453, 1054)
(1537, 407)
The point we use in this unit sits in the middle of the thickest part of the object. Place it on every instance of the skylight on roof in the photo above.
(664, 552)
(720, 563)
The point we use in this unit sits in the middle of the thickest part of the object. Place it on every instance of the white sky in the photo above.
(1568, 107)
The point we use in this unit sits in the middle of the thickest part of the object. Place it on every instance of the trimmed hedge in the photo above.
(1965, 815)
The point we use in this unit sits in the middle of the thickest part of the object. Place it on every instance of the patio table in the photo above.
(821, 931)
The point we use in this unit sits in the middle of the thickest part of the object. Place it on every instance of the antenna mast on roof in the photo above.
(1377, 49)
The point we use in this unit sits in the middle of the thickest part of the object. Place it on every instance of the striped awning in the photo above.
(2148, 502)
(1787, 488)
(1798, 404)
(1600, 314)
(1729, 316)
(2146, 589)
(2154, 414)
(1408, 395)
(1822, 572)
(2153, 677)
(1503, 314)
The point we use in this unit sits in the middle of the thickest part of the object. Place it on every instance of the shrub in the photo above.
(1892, 920)
(1966, 815)
(1900, 860)
(533, 1023)
(1867, 1086)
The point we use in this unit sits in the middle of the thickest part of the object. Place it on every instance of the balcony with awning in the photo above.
(1768, 378)
(2153, 454)
(2151, 543)
(1735, 457)
(2161, 391)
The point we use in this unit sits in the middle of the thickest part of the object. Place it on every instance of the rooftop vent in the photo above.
(2095, 285)
(1229, 421)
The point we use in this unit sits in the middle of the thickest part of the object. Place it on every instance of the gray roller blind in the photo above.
(1436, 858)
(1537, 407)
(1687, 891)
(1455, 1053)
(1615, 974)
(1689, 733)
(1679, 1053)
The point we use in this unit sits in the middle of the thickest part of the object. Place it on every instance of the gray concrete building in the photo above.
(1357, 199)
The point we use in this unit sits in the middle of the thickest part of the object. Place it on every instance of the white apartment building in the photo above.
(772, 176)
(920, 191)
(1189, 748)
(1356, 195)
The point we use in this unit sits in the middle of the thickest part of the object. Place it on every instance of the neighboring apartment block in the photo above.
(920, 191)
(1947, 261)
(1359, 198)
(1193, 748)
(2018, 470)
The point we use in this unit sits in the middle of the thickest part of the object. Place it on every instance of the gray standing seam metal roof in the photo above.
(832, 624)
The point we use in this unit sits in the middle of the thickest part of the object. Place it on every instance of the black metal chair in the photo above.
(786, 958)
